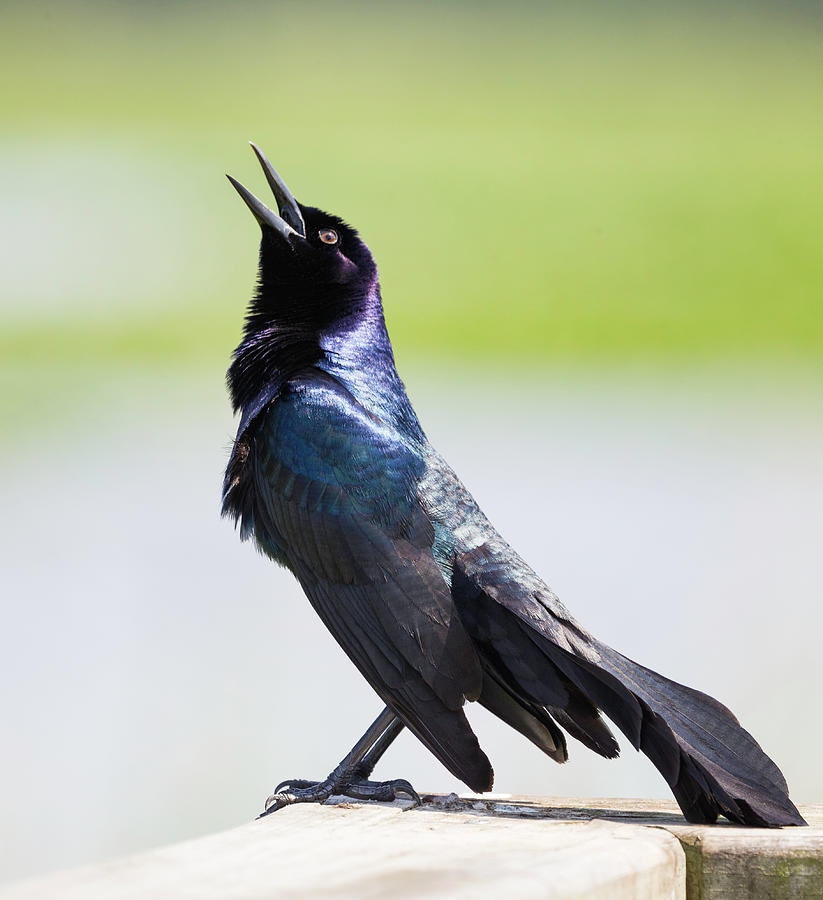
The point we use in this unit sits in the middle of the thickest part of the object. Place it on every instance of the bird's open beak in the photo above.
(290, 220)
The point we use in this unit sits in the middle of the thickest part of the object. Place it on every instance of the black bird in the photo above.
(333, 477)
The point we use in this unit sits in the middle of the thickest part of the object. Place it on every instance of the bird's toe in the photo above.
(299, 790)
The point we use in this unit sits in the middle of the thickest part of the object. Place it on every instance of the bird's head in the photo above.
(317, 300)
(314, 268)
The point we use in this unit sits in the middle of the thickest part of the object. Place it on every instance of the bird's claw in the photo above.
(291, 784)
(298, 790)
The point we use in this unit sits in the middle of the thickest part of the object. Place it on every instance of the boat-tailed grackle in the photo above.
(333, 477)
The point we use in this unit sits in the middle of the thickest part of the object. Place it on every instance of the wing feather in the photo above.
(336, 493)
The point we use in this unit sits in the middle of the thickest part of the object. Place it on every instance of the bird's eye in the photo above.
(328, 236)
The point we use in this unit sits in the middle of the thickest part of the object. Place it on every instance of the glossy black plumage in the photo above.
(333, 477)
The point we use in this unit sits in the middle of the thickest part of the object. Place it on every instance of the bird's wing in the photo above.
(335, 497)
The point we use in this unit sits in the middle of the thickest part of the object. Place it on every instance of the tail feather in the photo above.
(523, 670)
(544, 659)
(583, 722)
(712, 764)
(702, 721)
(530, 720)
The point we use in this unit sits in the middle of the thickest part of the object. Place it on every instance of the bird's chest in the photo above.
(324, 478)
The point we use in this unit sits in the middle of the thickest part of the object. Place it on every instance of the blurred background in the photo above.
(599, 234)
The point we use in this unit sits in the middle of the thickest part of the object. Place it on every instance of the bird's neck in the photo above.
(358, 353)
(355, 350)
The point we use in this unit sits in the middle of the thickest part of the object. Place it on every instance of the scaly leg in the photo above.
(350, 778)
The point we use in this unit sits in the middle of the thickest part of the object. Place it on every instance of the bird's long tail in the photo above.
(712, 764)
(536, 657)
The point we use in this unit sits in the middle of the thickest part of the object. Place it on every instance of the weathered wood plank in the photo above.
(465, 846)
(382, 851)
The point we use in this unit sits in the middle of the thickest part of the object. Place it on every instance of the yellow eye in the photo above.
(328, 236)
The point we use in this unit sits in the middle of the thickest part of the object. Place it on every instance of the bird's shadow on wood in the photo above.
(525, 808)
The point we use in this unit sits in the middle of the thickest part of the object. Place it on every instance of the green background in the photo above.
(610, 183)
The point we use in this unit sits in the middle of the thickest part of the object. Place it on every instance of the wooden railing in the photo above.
(452, 847)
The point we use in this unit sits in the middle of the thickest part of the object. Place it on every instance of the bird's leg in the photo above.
(350, 777)
(380, 746)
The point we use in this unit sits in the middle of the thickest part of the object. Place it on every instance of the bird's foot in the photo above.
(354, 786)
